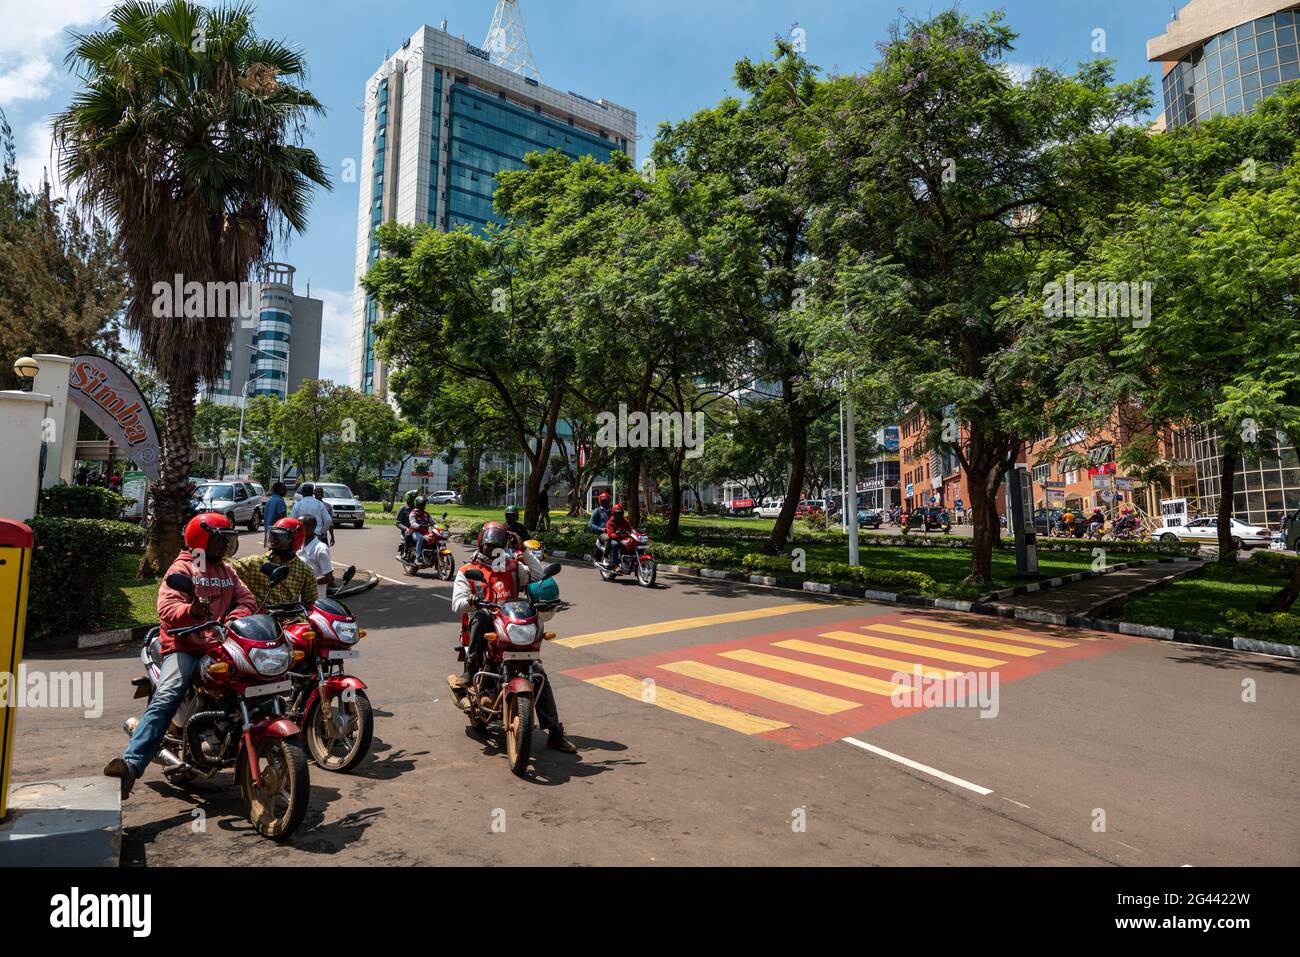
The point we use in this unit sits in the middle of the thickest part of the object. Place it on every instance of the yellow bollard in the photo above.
(15, 570)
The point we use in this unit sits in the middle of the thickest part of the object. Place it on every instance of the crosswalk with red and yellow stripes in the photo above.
(807, 686)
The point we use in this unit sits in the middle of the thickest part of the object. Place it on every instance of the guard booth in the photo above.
(15, 571)
(1020, 519)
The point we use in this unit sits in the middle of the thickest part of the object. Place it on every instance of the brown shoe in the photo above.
(118, 768)
(559, 742)
(458, 682)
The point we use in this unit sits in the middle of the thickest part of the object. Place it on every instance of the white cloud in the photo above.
(30, 80)
(335, 334)
(1018, 72)
(32, 28)
(33, 143)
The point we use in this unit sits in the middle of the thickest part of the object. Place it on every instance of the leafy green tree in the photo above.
(308, 418)
(185, 137)
(949, 181)
(216, 427)
(368, 427)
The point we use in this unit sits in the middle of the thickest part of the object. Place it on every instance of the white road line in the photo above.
(1017, 804)
(917, 766)
(435, 594)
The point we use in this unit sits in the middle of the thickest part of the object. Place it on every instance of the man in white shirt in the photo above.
(316, 554)
(309, 505)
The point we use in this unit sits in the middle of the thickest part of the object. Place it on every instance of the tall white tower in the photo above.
(508, 43)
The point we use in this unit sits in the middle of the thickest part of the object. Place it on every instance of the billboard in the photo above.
(109, 397)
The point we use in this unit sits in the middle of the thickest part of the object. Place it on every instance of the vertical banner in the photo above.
(109, 397)
(15, 569)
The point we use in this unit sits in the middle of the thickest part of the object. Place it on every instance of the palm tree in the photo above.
(187, 136)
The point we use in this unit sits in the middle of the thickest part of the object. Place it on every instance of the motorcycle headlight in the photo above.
(521, 634)
(271, 661)
(346, 632)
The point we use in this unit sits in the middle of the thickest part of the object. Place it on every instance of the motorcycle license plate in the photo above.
(521, 655)
(338, 654)
(259, 691)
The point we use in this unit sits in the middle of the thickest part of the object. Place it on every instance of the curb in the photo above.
(119, 636)
(992, 609)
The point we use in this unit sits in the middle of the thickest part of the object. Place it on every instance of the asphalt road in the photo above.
(712, 721)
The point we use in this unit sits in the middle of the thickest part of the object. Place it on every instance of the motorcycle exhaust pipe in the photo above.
(169, 759)
(130, 724)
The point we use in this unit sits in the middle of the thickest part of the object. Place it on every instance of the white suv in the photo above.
(443, 497)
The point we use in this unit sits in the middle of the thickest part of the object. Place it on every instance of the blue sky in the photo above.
(664, 59)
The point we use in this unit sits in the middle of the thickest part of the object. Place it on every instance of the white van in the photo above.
(770, 508)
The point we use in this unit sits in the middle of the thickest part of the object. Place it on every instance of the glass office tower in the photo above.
(441, 122)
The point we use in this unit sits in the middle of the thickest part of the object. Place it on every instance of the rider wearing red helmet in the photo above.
(506, 573)
(617, 530)
(219, 595)
(285, 538)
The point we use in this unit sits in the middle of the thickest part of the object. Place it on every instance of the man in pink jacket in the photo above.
(219, 595)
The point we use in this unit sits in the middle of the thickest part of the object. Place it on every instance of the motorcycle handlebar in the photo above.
(189, 630)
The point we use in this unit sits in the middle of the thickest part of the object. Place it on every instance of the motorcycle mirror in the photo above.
(444, 514)
(277, 573)
(349, 574)
(552, 569)
(474, 575)
(182, 583)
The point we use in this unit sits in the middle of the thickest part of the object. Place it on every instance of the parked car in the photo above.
(869, 518)
(770, 508)
(443, 497)
(810, 507)
(1206, 532)
(345, 506)
(238, 501)
(929, 519)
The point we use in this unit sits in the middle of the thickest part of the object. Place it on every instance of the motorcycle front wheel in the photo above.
(446, 567)
(519, 732)
(279, 804)
(340, 745)
(645, 573)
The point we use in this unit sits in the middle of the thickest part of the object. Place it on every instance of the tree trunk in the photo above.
(986, 528)
(1229, 458)
(397, 483)
(778, 541)
(675, 484)
(170, 491)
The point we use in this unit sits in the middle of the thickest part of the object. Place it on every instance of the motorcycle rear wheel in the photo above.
(606, 574)
(277, 807)
(519, 732)
(340, 754)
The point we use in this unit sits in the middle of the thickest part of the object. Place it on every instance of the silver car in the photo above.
(238, 501)
(344, 506)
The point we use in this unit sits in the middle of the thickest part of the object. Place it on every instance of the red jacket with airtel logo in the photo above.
(228, 597)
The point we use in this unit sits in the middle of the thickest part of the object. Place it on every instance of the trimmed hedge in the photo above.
(70, 570)
(81, 501)
(1280, 626)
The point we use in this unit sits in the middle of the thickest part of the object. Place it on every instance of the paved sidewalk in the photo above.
(1093, 596)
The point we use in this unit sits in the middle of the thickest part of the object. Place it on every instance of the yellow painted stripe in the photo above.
(683, 704)
(761, 687)
(682, 624)
(1000, 647)
(993, 633)
(919, 651)
(832, 676)
(862, 658)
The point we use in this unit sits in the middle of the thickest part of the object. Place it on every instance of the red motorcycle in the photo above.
(436, 553)
(634, 555)
(501, 695)
(330, 705)
(233, 717)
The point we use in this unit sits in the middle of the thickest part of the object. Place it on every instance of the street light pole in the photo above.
(851, 476)
(243, 406)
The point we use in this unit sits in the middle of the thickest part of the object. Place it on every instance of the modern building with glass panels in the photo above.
(441, 121)
(275, 348)
(1222, 57)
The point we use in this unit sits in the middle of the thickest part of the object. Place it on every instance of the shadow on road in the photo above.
(548, 767)
(1233, 660)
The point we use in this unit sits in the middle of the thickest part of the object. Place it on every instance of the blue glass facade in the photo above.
(1233, 71)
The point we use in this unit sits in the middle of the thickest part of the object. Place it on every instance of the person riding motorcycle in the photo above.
(220, 595)
(286, 537)
(599, 516)
(617, 529)
(403, 522)
(1127, 521)
(1097, 521)
(516, 527)
(420, 523)
(507, 573)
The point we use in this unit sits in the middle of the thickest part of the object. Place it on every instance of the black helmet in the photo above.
(410, 497)
(492, 538)
(512, 512)
(420, 501)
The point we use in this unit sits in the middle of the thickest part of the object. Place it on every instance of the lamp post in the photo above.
(26, 369)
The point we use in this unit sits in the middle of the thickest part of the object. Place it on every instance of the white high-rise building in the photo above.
(441, 120)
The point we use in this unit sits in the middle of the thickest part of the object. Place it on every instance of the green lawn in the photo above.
(1198, 602)
(129, 601)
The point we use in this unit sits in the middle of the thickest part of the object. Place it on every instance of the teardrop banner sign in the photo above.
(109, 396)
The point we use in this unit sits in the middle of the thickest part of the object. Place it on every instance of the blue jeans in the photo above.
(419, 545)
(177, 673)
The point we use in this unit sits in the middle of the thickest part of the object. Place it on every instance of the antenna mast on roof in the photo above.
(508, 44)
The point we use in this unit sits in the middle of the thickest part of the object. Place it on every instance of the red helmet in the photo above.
(297, 532)
(603, 498)
(213, 534)
(492, 537)
(618, 509)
